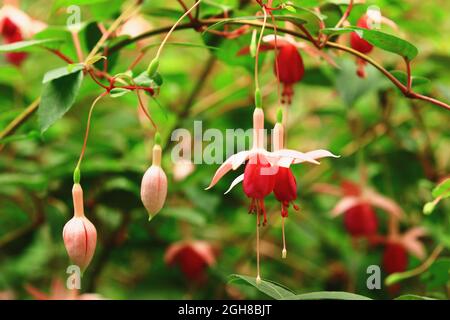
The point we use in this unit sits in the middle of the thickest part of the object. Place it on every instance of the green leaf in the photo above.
(272, 289)
(28, 45)
(413, 297)
(442, 189)
(380, 39)
(61, 72)
(438, 274)
(403, 78)
(58, 95)
(118, 92)
(328, 295)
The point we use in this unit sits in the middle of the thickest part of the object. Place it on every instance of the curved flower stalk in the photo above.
(154, 183)
(79, 234)
(357, 205)
(193, 257)
(15, 26)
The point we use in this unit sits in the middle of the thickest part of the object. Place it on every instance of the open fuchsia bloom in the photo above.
(193, 257)
(79, 234)
(15, 26)
(267, 171)
(357, 205)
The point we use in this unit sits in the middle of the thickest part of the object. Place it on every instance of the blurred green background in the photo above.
(402, 144)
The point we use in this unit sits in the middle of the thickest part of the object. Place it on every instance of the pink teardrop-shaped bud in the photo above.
(154, 185)
(79, 234)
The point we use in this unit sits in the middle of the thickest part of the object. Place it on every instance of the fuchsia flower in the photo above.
(15, 26)
(262, 168)
(268, 171)
(357, 206)
(289, 60)
(193, 257)
(79, 234)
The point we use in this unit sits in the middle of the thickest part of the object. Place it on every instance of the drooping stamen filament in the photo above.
(284, 252)
(258, 276)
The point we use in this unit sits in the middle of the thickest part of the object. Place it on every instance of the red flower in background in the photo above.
(357, 204)
(395, 257)
(15, 26)
(193, 257)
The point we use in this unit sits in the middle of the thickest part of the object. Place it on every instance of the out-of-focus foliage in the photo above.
(403, 147)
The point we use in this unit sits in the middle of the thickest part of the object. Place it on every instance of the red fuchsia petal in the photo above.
(395, 258)
(290, 64)
(10, 29)
(384, 203)
(257, 183)
(361, 221)
(285, 188)
(358, 43)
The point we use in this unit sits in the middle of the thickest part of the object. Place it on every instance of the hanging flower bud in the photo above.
(290, 69)
(361, 45)
(79, 234)
(154, 183)
(193, 257)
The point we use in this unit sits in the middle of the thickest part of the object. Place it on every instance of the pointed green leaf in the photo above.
(272, 289)
(380, 39)
(58, 96)
(329, 295)
(28, 45)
